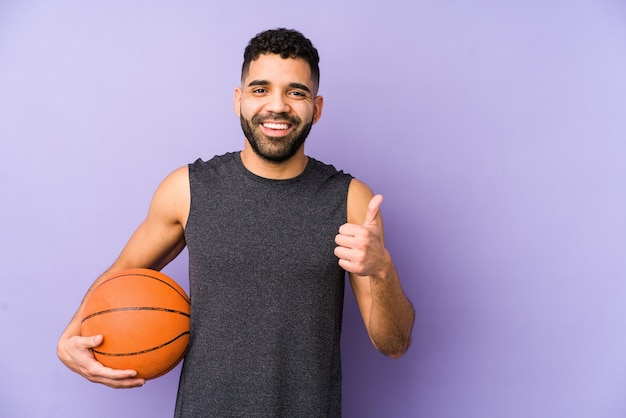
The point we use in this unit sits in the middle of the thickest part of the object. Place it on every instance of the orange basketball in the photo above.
(144, 318)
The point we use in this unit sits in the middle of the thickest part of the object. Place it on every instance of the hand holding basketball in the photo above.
(143, 317)
(132, 326)
(76, 353)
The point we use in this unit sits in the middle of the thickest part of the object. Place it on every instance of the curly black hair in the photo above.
(288, 43)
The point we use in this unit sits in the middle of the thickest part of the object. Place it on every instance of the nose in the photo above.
(277, 103)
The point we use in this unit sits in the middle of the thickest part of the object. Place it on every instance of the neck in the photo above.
(288, 169)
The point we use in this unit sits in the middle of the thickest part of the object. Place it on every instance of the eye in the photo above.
(297, 93)
(259, 90)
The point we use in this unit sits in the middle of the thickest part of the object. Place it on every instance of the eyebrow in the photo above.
(292, 85)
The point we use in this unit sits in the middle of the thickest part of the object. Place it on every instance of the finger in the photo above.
(91, 341)
(350, 230)
(343, 253)
(119, 378)
(346, 237)
(127, 383)
(346, 265)
(98, 373)
(115, 374)
(351, 266)
(372, 209)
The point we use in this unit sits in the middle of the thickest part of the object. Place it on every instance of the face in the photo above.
(277, 105)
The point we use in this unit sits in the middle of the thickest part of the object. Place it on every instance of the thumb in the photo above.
(372, 209)
(94, 341)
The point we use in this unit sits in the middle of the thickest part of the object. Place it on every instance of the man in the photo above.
(270, 233)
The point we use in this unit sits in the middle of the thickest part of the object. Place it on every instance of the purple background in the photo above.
(495, 130)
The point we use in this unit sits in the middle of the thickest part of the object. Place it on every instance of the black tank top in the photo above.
(266, 291)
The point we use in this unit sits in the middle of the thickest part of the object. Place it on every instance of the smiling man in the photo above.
(271, 233)
(279, 132)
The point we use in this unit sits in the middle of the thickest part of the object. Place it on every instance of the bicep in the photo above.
(160, 237)
(359, 196)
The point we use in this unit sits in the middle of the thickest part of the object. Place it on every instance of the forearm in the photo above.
(73, 328)
(391, 313)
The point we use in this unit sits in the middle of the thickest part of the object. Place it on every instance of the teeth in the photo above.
(276, 125)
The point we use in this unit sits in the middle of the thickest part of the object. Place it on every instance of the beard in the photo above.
(273, 148)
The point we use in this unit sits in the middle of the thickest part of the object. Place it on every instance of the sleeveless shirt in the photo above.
(266, 291)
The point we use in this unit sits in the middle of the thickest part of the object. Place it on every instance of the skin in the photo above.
(273, 86)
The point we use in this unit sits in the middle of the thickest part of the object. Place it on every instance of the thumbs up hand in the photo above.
(361, 248)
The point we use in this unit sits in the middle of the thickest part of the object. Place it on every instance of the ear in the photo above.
(318, 104)
(237, 102)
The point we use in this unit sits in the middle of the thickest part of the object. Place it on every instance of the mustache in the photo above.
(276, 117)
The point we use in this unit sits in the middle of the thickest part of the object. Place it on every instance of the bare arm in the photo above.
(386, 311)
(156, 242)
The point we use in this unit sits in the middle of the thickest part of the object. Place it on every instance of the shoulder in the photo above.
(172, 197)
(359, 196)
(177, 181)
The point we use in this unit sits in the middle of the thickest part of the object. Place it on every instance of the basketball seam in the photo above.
(184, 296)
(134, 308)
(102, 353)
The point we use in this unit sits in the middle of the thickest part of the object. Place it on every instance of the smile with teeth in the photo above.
(276, 126)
